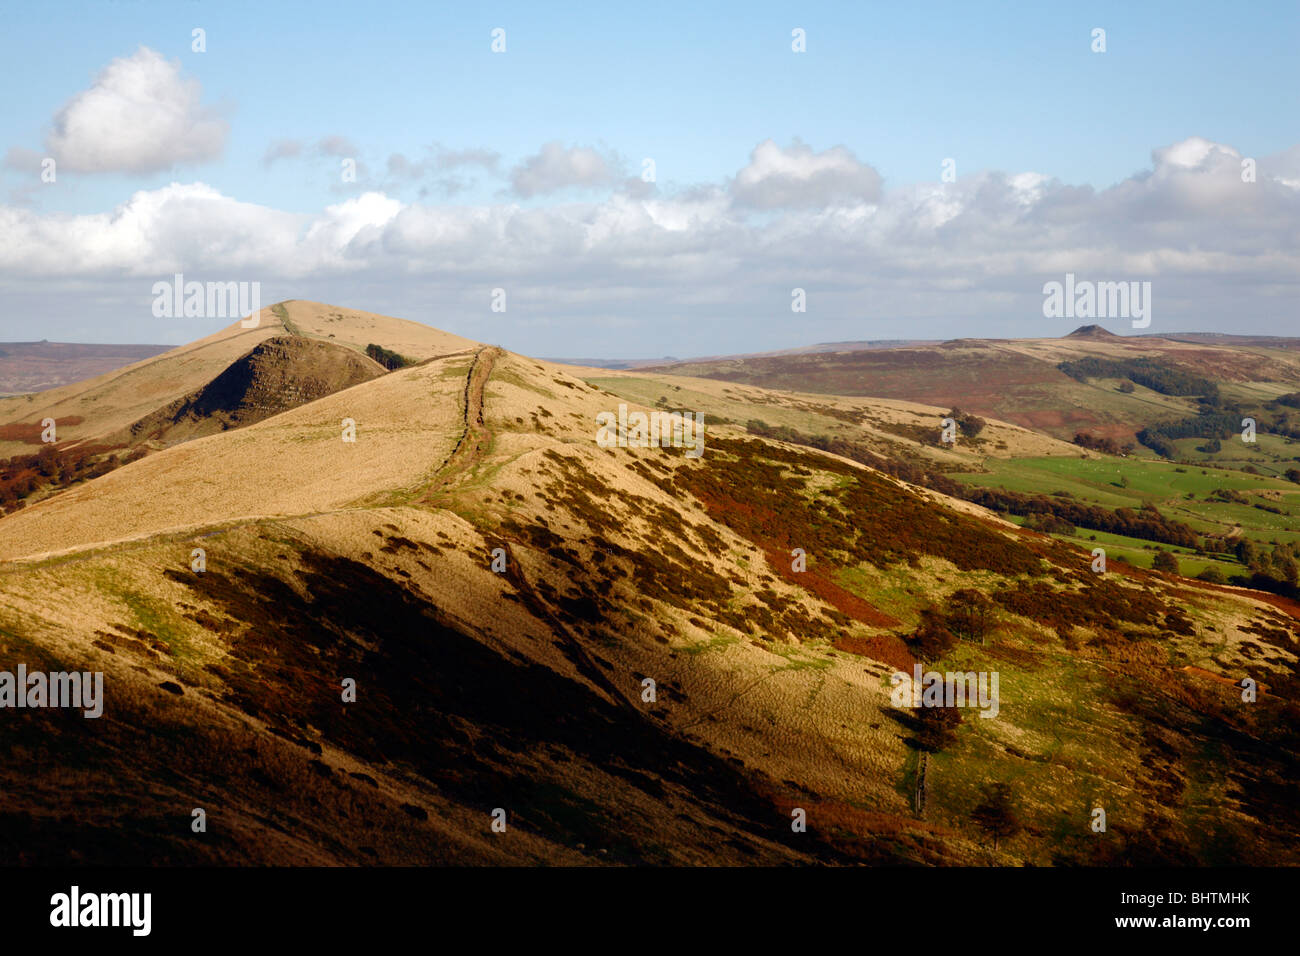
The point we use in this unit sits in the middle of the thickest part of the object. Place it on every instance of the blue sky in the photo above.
(1004, 89)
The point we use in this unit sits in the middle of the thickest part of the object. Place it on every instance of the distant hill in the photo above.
(1091, 332)
(35, 366)
(1021, 380)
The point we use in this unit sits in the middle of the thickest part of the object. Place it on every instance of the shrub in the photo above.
(1165, 561)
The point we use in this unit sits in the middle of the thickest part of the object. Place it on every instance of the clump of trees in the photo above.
(1155, 375)
(970, 614)
(1107, 446)
(1049, 524)
(388, 359)
(970, 425)
(24, 475)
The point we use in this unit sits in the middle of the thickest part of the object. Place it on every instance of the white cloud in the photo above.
(140, 115)
(798, 177)
(927, 253)
(555, 168)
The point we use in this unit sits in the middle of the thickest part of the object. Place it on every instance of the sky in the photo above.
(619, 181)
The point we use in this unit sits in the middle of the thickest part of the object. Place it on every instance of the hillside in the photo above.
(94, 411)
(1019, 380)
(525, 688)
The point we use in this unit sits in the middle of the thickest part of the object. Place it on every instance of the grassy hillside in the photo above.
(647, 675)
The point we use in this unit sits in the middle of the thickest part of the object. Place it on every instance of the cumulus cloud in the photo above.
(799, 177)
(22, 159)
(556, 167)
(140, 115)
(915, 258)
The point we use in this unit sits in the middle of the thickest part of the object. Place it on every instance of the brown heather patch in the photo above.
(744, 485)
(1099, 604)
(814, 579)
(869, 836)
(31, 434)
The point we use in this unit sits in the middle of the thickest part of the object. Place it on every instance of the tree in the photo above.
(938, 727)
(1165, 561)
(995, 814)
(1246, 552)
(932, 640)
(970, 614)
(1286, 568)
(1126, 387)
(1211, 575)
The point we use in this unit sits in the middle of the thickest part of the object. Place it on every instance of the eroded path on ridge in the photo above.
(475, 439)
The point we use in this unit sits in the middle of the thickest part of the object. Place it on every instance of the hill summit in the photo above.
(1091, 332)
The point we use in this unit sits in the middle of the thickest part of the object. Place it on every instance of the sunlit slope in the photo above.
(414, 340)
(102, 408)
(405, 425)
(109, 402)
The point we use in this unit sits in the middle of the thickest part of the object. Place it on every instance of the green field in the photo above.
(1181, 492)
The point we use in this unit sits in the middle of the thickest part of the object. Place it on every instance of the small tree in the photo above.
(1165, 561)
(932, 640)
(938, 727)
(995, 814)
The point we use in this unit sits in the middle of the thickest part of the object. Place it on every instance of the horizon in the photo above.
(675, 359)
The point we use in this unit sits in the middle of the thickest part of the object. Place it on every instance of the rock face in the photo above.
(279, 374)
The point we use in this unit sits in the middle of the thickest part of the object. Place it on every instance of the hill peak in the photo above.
(1091, 332)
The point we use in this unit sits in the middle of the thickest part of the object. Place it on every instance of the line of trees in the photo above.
(1157, 376)
(1146, 522)
(388, 359)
